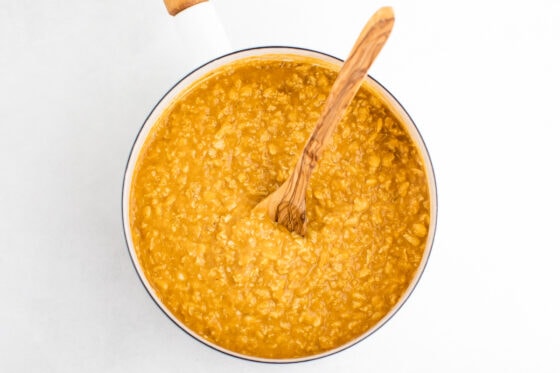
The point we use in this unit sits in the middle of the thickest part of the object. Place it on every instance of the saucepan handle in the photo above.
(200, 30)
(176, 6)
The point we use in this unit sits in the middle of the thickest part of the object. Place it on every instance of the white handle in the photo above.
(202, 33)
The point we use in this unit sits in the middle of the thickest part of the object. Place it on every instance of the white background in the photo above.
(480, 79)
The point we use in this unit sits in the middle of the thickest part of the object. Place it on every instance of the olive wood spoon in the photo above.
(286, 205)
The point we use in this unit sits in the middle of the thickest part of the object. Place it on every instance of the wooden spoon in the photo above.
(286, 205)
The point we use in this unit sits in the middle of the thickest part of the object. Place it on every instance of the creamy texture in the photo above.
(230, 274)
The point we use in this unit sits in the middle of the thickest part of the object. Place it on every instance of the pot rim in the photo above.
(192, 77)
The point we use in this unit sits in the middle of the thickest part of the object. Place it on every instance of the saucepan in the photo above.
(241, 284)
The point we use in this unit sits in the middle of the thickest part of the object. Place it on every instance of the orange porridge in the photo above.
(229, 273)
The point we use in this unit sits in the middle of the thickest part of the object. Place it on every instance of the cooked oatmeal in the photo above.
(229, 273)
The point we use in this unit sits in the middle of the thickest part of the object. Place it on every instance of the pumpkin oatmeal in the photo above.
(229, 273)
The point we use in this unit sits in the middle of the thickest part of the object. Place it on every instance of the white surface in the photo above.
(480, 79)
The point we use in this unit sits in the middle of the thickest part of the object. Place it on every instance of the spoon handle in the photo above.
(366, 48)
